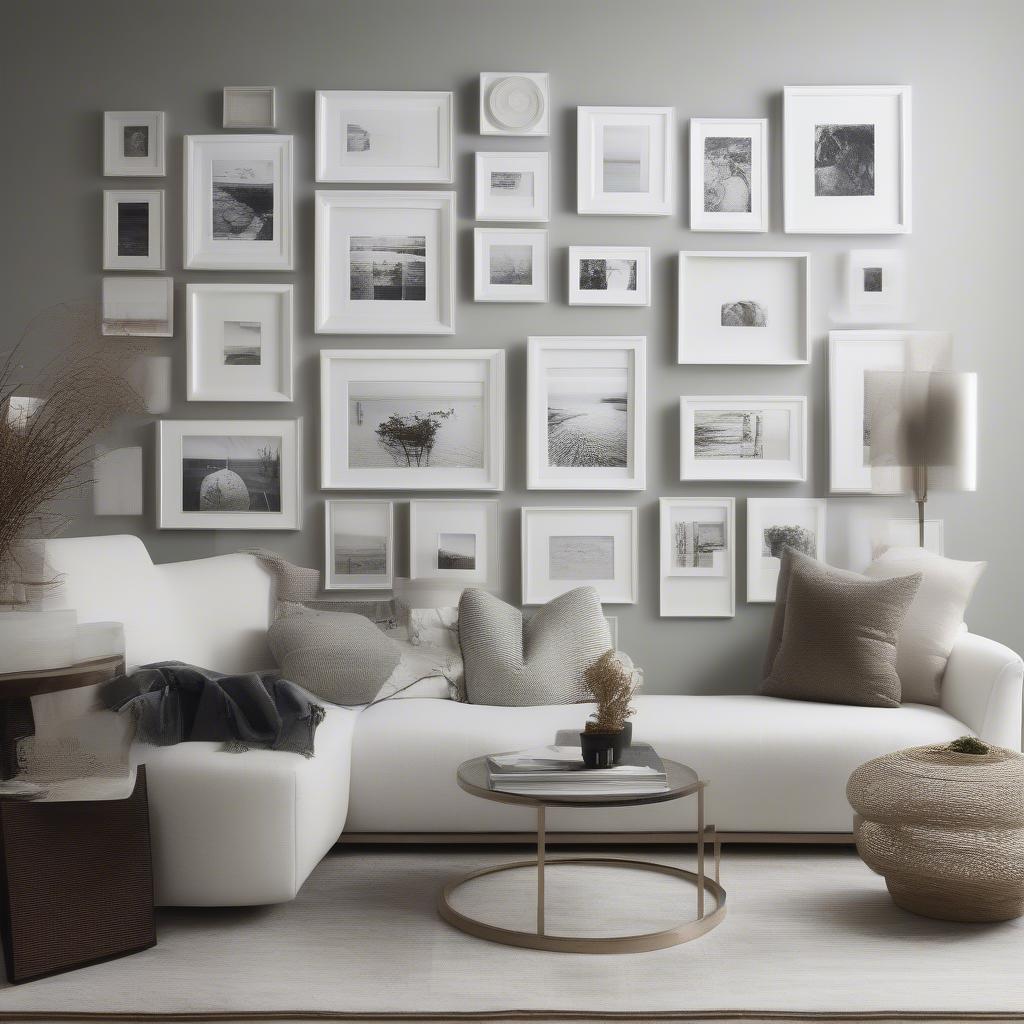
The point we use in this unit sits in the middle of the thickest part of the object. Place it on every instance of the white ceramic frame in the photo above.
(697, 594)
(757, 129)
(588, 297)
(267, 93)
(889, 306)
(157, 233)
(358, 581)
(115, 163)
(762, 580)
(484, 290)
(541, 79)
(458, 511)
(168, 286)
(489, 209)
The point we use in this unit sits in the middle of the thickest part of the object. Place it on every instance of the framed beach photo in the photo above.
(454, 540)
(359, 545)
(238, 202)
(515, 103)
(846, 159)
(412, 419)
(743, 437)
(698, 557)
(728, 174)
(385, 262)
(138, 307)
(510, 265)
(384, 136)
(134, 143)
(626, 160)
(565, 548)
(513, 187)
(609, 275)
(133, 229)
(876, 286)
(774, 524)
(229, 474)
(586, 413)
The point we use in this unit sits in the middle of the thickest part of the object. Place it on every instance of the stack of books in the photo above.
(559, 772)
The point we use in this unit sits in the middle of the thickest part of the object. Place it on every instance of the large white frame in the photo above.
(484, 290)
(763, 572)
(115, 163)
(459, 515)
(696, 593)
(154, 199)
(756, 128)
(503, 209)
(358, 581)
(593, 297)
(491, 125)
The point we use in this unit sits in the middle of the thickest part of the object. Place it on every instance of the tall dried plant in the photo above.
(612, 681)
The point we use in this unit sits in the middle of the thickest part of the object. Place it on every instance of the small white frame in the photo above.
(888, 304)
(763, 570)
(150, 293)
(490, 121)
(754, 128)
(378, 509)
(697, 592)
(433, 517)
(487, 290)
(116, 163)
(638, 296)
(250, 107)
(508, 205)
(154, 258)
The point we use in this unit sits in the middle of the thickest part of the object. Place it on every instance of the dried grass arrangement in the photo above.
(612, 680)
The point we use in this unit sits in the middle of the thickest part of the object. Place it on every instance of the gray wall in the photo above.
(63, 62)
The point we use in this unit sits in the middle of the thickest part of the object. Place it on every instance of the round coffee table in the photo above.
(682, 782)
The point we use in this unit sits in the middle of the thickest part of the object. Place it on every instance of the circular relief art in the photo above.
(515, 104)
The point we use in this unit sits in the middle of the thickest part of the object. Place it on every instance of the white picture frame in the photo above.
(137, 307)
(250, 107)
(625, 161)
(187, 450)
(876, 286)
(513, 187)
(721, 435)
(697, 557)
(796, 522)
(134, 143)
(515, 103)
(609, 275)
(238, 342)
(565, 548)
(744, 308)
(350, 222)
(373, 136)
(355, 530)
(234, 185)
(133, 229)
(729, 188)
(455, 540)
(362, 389)
(577, 389)
(510, 265)
(847, 159)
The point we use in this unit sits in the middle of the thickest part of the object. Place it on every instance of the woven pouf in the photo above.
(945, 829)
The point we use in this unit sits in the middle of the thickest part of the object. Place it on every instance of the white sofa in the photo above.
(236, 829)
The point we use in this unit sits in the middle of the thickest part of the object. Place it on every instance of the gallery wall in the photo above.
(63, 62)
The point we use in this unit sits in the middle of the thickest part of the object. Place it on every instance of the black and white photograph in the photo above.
(608, 275)
(230, 474)
(779, 536)
(588, 418)
(132, 229)
(133, 143)
(872, 279)
(697, 557)
(359, 538)
(136, 141)
(744, 313)
(626, 158)
(454, 539)
(456, 551)
(727, 174)
(611, 275)
(388, 268)
(138, 307)
(242, 204)
(876, 288)
(698, 544)
(512, 183)
(512, 187)
(511, 264)
(243, 342)
(761, 434)
(844, 160)
(581, 558)
(774, 524)
(357, 139)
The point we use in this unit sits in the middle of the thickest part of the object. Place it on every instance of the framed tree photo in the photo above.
(609, 275)
(359, 545)
(774, 524)
(728, 174)
(698, 557)
(134, 143)
(510, 265)
(133, 229)
(454, 540)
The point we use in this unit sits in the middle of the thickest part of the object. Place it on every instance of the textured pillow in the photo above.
(512, 665)
(837, 634)
(935, 618)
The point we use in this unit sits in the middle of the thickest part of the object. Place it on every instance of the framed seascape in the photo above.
(359, 545)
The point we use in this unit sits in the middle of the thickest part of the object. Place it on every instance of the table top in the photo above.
(53, 680)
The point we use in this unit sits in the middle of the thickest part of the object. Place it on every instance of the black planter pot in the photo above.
(623, 740)
(598, 748)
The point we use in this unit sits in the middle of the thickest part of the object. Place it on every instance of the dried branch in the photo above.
(612, 681)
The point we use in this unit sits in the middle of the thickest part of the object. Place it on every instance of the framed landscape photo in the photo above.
(728, 174)
(384, 136)
(565, 548)
(698, 557)
(515, 103)
(743, 437)
(846, 159)
(239, 342)
(229, 474)
(626, 160)
(238, 202)
(134, 143)
(586, 413)
(250, 106)
(133, 229)
(510, 265)
(359, 542)
(774, 524)
(412, 419)
(743, 307)
(454, 540)
(609, 275)
(513, 187)
(138, 307)
(876, 286)
(385, 262)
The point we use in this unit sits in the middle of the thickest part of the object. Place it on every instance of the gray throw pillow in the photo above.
(511, 664)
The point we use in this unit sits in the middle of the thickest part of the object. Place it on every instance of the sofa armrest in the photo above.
(983, 687)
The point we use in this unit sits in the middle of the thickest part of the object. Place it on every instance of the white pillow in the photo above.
(424, 671)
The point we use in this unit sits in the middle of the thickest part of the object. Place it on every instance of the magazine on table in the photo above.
(557, 770)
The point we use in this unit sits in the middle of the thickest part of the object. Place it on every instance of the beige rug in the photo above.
(810, 935)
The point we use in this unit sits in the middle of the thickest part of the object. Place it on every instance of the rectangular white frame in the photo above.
(438, 104)
(115, 163)
(168, 476)
(196, 392)
(541, 79)
(167, 284)
(757, 129)
(793, 469)
(710, 352)
(696, 595)
(589, 297)
(538, 475)
(331, 204)
(233, 93)
(762, 580)
(358, 581)
(426, 365)
(462, 515)
(536, 525)
(484, 290)
(155, 199)
(488, 209)
(889, 306)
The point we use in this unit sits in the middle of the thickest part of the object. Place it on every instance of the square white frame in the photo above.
(696, 595)
(489, 208)
(202, 251)
(331, 320)
(762, 580)
(436, 104)
(460, 515)
(486, 366)
(660, 200)
(358, 581)
(793, 469)
(115, 163)
(804, 213)
(484, 290)
(890, 305)
(536, 525)
(164, 283)
(592, 297)
(710, 351)
(632, 352)
(234, 93)
(154, 198)
(542, 80)
(730, 127)
(168, 476)
(195, 390)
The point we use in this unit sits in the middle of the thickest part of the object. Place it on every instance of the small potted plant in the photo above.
(612, 681)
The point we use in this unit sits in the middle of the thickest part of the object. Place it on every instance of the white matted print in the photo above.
(364, 136)
(743, 437)
(454, 540)
(728, 174)
(133, 229)
(626, 160)
(774, 524)
(609, 275)
(385, 262)
(876, 286)
(138, 307)
(513, 187)
(565, 548)
(743, 307)
(510, 265)
(515, 103)
(229, 474)
(698, 557)
(134, 143)
(250, 106)
(847, 159)
(359, 545)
